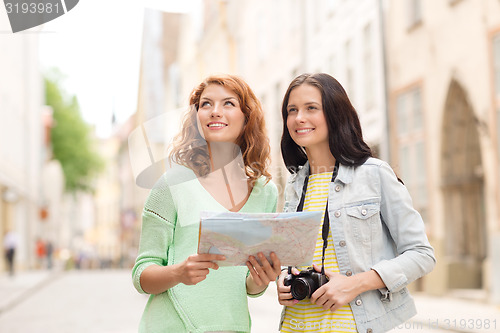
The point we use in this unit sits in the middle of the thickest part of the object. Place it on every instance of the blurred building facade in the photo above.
(270, 43)
(424, 78)
(276, 41)
(105, 234)
(21, 141)
(32, 199)
(444, 75)
(52, 184)
(144, 138)
(132, 197)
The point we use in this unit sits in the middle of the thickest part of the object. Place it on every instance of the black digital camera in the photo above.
(305, 284)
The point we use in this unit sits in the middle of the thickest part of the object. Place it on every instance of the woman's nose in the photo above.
(216, 111)
(300, 117)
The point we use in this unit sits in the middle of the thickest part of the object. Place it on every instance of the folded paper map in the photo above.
(292, 236)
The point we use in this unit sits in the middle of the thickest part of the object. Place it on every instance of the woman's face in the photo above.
(219, 114)
(306, 121)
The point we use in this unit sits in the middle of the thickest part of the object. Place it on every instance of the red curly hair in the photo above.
(190, 148)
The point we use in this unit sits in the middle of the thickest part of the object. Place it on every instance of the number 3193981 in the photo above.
(32, 8)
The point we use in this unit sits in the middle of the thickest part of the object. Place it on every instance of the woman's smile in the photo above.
(216, 125)
(303, 131)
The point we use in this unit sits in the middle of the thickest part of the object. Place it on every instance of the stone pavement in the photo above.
(76, 301)
(455, 314)
(17, 288)
(435, 314)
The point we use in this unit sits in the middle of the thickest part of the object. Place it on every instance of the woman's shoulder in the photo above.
(380, 168)
(299, 173)
(373, 161)
(265, 188)
(372, 164)
(174, 175)
(267, 184)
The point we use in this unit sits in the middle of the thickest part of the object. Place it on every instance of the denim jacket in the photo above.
(374, 226)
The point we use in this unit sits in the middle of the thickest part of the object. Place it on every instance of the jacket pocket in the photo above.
(364, 219)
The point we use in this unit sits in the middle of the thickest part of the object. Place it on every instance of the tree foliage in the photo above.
(71, 138)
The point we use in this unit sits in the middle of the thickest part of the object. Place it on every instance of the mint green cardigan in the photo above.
(170, 228)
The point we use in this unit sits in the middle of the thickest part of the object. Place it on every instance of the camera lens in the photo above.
(300, 289)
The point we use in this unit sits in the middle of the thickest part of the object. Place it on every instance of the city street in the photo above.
(77, 301)
(104, 301)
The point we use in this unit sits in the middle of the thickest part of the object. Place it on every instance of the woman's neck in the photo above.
(320, 160)
(227, 182)
(222, 154)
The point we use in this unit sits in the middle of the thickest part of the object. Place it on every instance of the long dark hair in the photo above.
(344, 129)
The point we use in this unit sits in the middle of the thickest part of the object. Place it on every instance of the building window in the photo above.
(414, 10)
(242, 59)
(369, 81)
(278, 122)
(175, 84)
(498, 131)
(349, 71)
(331, 4)
(262, 36)
(496, 64)
(411, 146)
(496, 71)
(295, 8)
(332, 65)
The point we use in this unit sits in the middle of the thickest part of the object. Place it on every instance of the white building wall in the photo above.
(331, 27)
(451, 43)
(21, 99)
(278, 40)
(268, 43)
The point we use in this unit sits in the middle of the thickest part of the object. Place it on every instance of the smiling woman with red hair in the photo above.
(190, 148)
(221, 157)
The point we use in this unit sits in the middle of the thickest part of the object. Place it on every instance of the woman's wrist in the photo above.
(175, 273)
(156, 279)
(366, 281)
(252, 287)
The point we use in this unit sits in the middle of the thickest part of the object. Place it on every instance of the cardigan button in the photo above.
(349, 273)
(364, 212)
(342, 243)
(338, 188)
(359, 302)
(369, 330)
(337, 213)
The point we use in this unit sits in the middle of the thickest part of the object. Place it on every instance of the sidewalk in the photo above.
(14, 289)
(435, 314)
(454, 315)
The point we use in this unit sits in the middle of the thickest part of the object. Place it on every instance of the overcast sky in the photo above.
(97, 46)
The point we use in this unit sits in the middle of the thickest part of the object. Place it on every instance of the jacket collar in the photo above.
(345, 175)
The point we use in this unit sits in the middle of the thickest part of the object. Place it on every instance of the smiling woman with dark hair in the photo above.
(372, 243)
(222, 154)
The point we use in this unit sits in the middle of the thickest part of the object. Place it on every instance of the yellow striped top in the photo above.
(305, 316)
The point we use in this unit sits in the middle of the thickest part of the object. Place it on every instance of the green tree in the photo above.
(71, 138)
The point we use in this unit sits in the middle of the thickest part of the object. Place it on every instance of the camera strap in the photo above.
(326, 219)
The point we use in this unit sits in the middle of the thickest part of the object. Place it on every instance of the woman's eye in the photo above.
(229, 103)
(204, 104)
(312, 107)
(292, 110)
